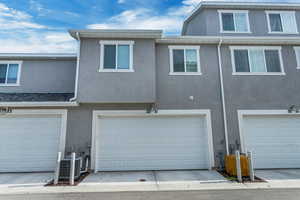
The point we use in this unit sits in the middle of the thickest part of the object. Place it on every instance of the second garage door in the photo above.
(152, 143)
(274, 140)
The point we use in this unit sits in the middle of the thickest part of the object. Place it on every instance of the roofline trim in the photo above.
(116, 33)
(38, 55)
(39, 104)
(229, 40)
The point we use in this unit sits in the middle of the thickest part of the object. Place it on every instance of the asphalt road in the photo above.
(271, 194)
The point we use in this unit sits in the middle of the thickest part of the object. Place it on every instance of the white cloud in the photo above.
(142, 18)
(14, 19)
(19, 33)
(121, 1)
(48, 42)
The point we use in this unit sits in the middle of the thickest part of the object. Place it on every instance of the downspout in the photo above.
(223, 95)
(77, 68)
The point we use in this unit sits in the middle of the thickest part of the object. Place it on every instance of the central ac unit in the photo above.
(65, 167)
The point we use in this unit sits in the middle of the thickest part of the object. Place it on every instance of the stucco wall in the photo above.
(116, 87)
(259, 92)
(45, 76)
(257, 19)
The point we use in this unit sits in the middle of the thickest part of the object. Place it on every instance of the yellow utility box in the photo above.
(230, 165)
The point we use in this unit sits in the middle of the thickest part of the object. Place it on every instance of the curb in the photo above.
(147, 187)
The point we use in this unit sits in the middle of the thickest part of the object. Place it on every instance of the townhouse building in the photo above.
(139, 100)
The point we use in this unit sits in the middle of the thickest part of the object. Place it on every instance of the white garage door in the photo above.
(29, 143)
(274, 140)
(152, 143)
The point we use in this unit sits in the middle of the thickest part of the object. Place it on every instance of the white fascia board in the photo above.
(38, 55)
(39, 104)
(230, 40)
(117, 33)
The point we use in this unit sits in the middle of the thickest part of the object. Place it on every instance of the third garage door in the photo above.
(274, 140)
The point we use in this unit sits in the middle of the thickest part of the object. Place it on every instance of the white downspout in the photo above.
(77, 68)
(223, 95)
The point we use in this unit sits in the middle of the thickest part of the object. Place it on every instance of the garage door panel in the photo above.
(274, 140)
(29, 143)
(152, 143)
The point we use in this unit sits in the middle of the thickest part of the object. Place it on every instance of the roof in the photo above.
(231, 40)
(35, 97)
(240, 5)
(53, 56)
(116, 33)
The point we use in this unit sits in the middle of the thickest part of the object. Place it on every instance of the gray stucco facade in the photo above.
(111, 87)
(259, 92)
(151, 83)
(207, 23)
(44, 76)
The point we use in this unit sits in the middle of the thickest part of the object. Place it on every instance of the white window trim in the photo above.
(234, 11)
(197, 48)
(297, 49)
(18, 75)
(234, 72)
(116, 42)
(280, 12)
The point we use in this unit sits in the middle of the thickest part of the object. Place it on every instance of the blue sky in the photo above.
(41, 25)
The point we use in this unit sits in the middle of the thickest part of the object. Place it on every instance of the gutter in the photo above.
(77, 68)
(39, 104)
(230, 40)
(223, 95)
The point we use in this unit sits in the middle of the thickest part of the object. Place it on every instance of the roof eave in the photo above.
(230, 40)
(117, 33)
(52, 56)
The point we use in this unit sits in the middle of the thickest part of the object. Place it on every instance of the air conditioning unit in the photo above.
(65, 167)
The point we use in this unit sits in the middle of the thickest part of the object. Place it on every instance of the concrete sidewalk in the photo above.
(153, 177)
(24, 179)
(150, 181)
(279, 174)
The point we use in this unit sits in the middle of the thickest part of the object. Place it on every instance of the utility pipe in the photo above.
(77, 68)
(223, 95)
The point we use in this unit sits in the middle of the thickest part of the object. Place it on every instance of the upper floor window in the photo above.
(234, 21)
(184, 60)
(257, 60)
(282, 22)
(297, 52)
(10, 73)
(116, 56)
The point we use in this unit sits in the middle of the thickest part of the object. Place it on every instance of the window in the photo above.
(9, 73)
(184, 60)
(297, 52)
(234, 21)
(257, 60)
(116, 56)
(282, 22)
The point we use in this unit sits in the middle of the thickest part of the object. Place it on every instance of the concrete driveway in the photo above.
(24, 179)
(153, 178)
(279, 174)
